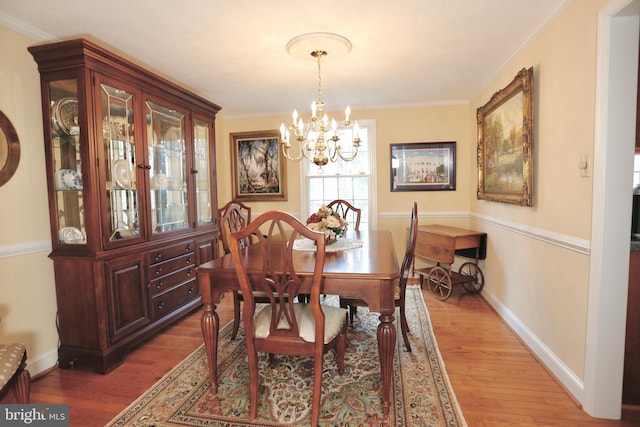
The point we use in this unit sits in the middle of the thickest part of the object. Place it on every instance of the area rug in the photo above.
(421, 392)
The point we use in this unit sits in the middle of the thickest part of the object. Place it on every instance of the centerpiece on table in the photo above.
(329, 222)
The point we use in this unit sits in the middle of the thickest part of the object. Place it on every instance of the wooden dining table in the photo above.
(367, 272)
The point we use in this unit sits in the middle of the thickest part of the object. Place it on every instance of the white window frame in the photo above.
(372, 216)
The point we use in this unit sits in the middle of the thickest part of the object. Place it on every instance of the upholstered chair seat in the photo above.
(13, 373)
(333, 322)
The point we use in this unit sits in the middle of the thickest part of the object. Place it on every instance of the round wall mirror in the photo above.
(9, 149)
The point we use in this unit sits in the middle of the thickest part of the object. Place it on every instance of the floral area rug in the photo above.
(421, 392)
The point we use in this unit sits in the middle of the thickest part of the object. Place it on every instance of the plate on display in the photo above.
(122, 173)
(65, 116)
(71, 235)
(68, 179)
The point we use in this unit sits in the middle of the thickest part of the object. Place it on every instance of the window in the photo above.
(353, 181)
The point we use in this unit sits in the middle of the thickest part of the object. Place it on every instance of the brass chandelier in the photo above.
(319, 139)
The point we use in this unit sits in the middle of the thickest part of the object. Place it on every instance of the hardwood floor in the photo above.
(497, 381)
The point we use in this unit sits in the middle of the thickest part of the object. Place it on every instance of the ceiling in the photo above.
(404, 53)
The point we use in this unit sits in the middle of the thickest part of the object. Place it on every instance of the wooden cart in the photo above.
(441, 244)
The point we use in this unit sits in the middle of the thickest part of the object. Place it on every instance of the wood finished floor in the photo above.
(497, 381)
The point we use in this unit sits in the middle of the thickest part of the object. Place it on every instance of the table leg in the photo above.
(386, 348)
(209, 322)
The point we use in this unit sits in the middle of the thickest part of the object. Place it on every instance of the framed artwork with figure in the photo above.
(258, 166)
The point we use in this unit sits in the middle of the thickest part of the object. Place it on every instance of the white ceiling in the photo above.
(407, 52)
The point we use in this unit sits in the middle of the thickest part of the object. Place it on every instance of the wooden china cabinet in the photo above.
(130, 163)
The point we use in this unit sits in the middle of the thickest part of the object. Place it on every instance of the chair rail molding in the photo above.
(566, 241)
(576, 244)
(18, 249)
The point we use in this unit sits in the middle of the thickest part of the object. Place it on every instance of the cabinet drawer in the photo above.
(173, 265)
(165, 282)
(166, 253)
(166, 302)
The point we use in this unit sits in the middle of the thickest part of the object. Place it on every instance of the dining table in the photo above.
(367, 270)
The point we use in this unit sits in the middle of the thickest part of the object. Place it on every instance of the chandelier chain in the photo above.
(319, 82)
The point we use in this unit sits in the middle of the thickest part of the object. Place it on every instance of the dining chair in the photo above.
(234, 216)
(285, 326)
(14, 375)
(400, 286)
(347, 211)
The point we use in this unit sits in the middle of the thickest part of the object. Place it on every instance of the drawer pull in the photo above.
(190, 272)
(158, 256)
(159, 285)
(158, 270)
(188, 249)
(189, 260)
(190, 289)
(161, 305)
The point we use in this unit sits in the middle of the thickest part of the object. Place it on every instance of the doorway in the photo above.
(615, 122)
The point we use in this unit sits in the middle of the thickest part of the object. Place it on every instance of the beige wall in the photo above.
(27, 290)
(393, 126)
(537, 257)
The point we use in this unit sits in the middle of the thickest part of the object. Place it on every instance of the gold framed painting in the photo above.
(505, 143)
(259, 170)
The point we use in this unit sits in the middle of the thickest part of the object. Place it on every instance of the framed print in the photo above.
(505, 143)
(423, 166)
(259, 169)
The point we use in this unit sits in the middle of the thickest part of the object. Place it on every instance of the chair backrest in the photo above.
(274, 274)
(233, 216)
(405, 270)
(347, 211)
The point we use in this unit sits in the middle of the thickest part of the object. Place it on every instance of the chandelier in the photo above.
(319, 139)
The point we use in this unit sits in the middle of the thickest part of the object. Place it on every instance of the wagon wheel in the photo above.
(473, 272)
(439, 283)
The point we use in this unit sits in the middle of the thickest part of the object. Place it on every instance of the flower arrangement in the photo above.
(328, 221)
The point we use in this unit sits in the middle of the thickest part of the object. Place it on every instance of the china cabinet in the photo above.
(130, 162)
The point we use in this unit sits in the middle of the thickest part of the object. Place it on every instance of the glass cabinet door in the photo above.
(168, 168)
(67, 163)
(201, 140)
(120, 163)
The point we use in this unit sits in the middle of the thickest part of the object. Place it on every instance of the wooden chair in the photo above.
(285, 326)
(14, 376)
(347, 211)
(234, 216)
(401, 285)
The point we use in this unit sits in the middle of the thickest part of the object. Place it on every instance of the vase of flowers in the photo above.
(329, 222)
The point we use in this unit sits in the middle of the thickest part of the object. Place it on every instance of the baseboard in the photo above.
(567, 378)
(43, 362)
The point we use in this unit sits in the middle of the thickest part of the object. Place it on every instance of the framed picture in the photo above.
(505, 143)
(259, 168)
(423, 166)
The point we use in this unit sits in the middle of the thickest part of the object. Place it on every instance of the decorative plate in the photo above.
(122, 173)
(68, 179)
(71, 235)
(65, 115)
